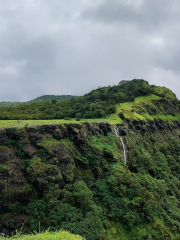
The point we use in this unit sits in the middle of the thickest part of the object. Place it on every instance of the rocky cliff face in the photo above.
(50, 163)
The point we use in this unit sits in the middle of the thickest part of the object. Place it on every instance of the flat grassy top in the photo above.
(126, 108)
(23, 123)
(62, 235)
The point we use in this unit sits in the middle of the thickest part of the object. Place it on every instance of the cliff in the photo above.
(73, 176)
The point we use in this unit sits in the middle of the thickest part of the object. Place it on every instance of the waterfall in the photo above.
(117, 134)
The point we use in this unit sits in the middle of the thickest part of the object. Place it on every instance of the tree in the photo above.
(53, 101)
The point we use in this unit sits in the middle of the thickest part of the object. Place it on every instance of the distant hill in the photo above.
(9, 104)
(38, 99)
(51, 97)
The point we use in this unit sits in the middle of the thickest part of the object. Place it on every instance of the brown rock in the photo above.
(29, 149)
(2, 134)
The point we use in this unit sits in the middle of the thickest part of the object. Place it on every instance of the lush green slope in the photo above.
(73, 177)
(98, 103)
(62, 235)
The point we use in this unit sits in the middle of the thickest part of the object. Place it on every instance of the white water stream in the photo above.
(117, 134)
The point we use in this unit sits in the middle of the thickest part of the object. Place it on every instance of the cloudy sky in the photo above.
(71, 47)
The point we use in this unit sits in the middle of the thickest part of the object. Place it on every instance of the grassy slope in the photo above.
(126, 108)
(62, 235)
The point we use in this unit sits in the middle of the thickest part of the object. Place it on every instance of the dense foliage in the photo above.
(102, 198)
(73, 176)
(96, 104)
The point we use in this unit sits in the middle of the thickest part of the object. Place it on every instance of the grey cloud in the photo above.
(149, 13)
(70, 47)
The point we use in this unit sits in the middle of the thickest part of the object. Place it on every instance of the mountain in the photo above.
(114, 177)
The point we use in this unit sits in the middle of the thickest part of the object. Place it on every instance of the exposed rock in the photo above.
(2, 135)
(41, 185)
(122, 132)
(29, 149)
(80, 135)
(5, 153)
(138, 127)
(159, 124)
(13, 183)
(103, 128)
(62, 131)
(35, 135)
(49, 128)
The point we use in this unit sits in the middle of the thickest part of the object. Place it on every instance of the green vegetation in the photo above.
(69, 172)
(53, 97)
(106, 144)
(9, 104)
(45, 98)
(146, 108)
(150, 107)
(62, 235)
(98, 104)
(28, 123)
(85, 188)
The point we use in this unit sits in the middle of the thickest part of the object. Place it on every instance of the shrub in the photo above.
(121, 115)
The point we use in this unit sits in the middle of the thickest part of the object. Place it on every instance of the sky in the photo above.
(71, 47)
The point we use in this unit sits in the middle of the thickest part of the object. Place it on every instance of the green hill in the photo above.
(97, 104)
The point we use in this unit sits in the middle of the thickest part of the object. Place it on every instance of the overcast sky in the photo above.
(71, 47)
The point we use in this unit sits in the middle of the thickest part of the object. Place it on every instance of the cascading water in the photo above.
(117, 134)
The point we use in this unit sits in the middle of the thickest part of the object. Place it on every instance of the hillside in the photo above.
(71, 174)
(99, 104)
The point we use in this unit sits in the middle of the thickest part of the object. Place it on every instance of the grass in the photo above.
(62, 235)
(126, 108)
(106, 142)
(48, 143)
(147, 98)
(31, 123)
